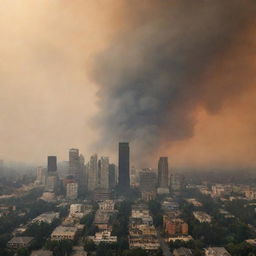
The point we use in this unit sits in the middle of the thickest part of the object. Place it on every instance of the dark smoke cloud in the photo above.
(169, 58)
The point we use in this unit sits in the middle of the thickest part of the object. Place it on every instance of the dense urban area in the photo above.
(74, 208)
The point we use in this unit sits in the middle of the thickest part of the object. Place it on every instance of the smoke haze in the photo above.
(173, 77)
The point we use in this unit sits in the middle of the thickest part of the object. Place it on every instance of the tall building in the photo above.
(40, 175)
(163, 171)
(103, 177)
(74, 163)
(112, 176)
(147, 180)
(52, 164)
(52, 180)
(124, 166)
(93, 173)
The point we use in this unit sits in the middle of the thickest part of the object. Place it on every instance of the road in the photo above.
(163, 244)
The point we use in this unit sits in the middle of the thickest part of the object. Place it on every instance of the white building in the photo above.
(216, 251)
(72, 190)
(77, 210)
(107, 205)
(105, 237)
(202, 216)
(47, 217)
(40, 175)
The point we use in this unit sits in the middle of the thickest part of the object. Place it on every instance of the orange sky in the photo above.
(47, 100)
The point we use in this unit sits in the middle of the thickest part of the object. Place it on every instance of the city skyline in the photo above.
(193, 100)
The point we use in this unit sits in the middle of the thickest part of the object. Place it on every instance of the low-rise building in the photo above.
(175, 227)
(104, 237)
(41, 253)
(202, 216)
(47, 217)
(216, 251)
(107, 205)
(182, 252)
(20, 242)
(64, 233)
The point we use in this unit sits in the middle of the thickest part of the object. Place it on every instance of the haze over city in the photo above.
(171, 77)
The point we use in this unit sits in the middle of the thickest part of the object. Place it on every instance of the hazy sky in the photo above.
(62, 63)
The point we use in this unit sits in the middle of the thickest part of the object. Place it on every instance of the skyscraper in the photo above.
(124, 166)
(112, 176)
(52, 164)
(74, 163)
(93, 172)
(163, 171)
(147, 180)
(103, 181)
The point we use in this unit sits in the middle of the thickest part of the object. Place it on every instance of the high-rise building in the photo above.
(163, 172)
(103, 177)
(40, 175)
(93, 173)
(74, 163)
(147, 180)
(112, 176)
(72, 190)
(124, 166)
(52, 180)
(52, 164)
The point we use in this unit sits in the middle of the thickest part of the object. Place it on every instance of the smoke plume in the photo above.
(169, 59)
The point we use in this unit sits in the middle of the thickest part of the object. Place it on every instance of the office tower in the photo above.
(72, 190)
(40, 175)
(163, 172)
(93, 173)
(147, 180)
(52, 164)
(103, 173)
(52, 180)
(112, 176)
(74, 163)
(124, 166)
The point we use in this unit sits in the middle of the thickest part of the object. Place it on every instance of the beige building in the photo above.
(64, 233)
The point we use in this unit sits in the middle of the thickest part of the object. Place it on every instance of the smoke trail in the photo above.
(170, 58)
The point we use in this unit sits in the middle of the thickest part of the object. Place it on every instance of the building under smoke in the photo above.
(124, 166)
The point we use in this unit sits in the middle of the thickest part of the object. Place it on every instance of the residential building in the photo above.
(216, 251)
(41, 253)
(104, 237)
(72, 190)
(93, 173)
(202, 216)
(20, 242)
(47, 217)
(64, 233)
(182, 251)
(103, 173)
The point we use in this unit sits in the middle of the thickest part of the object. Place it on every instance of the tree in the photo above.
(89, 245)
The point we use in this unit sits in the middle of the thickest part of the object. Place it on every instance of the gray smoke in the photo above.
(151, 78)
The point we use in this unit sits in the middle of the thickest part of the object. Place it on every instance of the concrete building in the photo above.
(163, 172)
(52, 164)
(75, 164)
(124, 166)
(41, 175)
(148, 180)
(182, 252)
(112, 176)
(104, 237)
(93, 173)
(47, 217)
(216, 251)
(202, 217)
(175, 227)
(103, 173)
(72, 190)
(64, 233)
(20, 242)
(41, 253)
